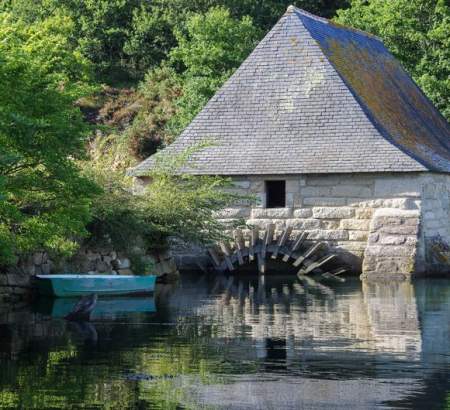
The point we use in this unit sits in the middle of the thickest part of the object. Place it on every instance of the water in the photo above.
(233, 344)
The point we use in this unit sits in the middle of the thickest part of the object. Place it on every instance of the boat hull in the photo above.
(102, 285)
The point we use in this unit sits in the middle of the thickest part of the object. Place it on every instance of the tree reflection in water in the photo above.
(238, 343)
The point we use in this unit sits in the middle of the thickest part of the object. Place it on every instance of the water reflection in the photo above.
(235, 343)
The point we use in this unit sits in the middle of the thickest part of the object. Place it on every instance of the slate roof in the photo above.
(316, 97)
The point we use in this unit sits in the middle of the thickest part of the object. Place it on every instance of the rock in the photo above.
(46, 268)
(27, 269)
(90, 255)
(18, 279)
(124, 263)
(103, 267)
(107, 259)
(38, 258)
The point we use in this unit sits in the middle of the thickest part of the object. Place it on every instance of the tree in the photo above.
(417, 33)
(126, 38)
(44, 200)
(210, 47)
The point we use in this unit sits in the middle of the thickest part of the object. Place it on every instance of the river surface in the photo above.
(234, 343)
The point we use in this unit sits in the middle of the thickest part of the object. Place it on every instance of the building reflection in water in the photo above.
(306, 318)
(361, 344)
(283, 343)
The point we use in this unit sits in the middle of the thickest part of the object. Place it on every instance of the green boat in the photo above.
(102, 285)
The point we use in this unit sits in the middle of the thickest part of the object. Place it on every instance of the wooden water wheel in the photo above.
(309, 258)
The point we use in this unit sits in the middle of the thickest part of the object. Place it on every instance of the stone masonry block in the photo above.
(324, 201)
(399, 229)
(293, 185)
(244, 184)
(355, 246)
(302, 213)
(333, 212)
(290, 200)
(329, 224)
(336, 235)
(400, 203)
(357, 236)
(390, 251)
(363, 213)
(256, 186)
(315, 191)
(324, 180)
(271, 213)
(302, 224)
(355, 224)
(397, 186)
(234, 213)
(351, 191)
(392, 240)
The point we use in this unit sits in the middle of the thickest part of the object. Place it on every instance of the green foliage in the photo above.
(44, 200)
(158, 95)
(183, 51)
(118, 219)
(126, 38)
(417, 32)
(172, 205)
(184, 205)
(210, 47)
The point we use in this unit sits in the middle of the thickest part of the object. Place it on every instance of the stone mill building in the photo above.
(334, 137)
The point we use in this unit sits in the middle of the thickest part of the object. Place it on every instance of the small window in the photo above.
(275, 194)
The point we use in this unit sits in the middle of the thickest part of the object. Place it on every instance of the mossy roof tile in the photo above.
(316, 97)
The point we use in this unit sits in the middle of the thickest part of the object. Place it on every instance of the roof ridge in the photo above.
(313, 98)
(291, 9)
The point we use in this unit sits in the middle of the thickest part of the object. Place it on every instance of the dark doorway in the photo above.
(275, 194)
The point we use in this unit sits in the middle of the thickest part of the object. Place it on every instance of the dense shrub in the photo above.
(172, 205)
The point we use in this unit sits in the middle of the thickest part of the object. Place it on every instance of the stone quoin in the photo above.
(361, 156)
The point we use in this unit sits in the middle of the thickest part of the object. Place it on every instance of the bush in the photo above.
(173, 205)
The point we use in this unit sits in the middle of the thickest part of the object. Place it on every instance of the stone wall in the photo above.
(384, 219)
(17, 283)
